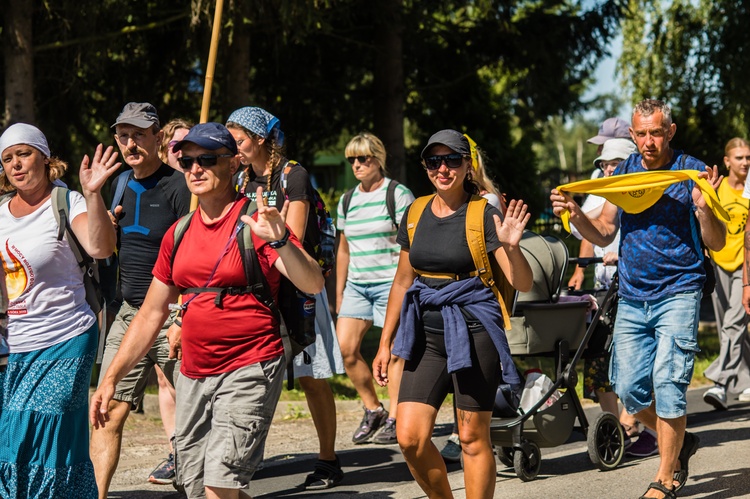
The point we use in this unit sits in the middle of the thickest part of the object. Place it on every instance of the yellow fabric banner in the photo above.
(636, 192)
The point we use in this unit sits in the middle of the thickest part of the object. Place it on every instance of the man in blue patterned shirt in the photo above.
(661, 280)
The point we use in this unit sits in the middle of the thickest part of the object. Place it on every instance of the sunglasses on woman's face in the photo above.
(361, 159)
(171, 145)
(450, 160)
(186, 162)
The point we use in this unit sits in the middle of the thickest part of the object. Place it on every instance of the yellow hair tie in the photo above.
(474, 153)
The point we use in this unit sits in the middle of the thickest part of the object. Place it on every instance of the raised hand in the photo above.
(712, 175)
(94, 173)
(510, 230)
(271, 222)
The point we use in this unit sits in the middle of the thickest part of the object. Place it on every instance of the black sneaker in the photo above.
(164, 473)
(371, 421)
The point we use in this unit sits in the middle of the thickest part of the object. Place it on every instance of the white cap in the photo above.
(615, 149)
(21, 133)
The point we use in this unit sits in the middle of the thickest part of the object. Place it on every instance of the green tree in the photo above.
(690, 54)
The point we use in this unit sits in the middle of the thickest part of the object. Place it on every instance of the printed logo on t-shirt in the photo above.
(269, 196)
(737, 218)
(19, 276)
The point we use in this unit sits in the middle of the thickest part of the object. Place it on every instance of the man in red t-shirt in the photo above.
(232, 360)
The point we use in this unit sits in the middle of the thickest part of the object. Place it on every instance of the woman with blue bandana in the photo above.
(260, 145)
(52, 331)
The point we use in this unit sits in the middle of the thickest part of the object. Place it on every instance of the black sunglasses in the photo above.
(450, 160)
(361, 159)
(186, 162)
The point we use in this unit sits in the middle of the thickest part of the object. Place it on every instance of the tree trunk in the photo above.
(388, 82)
(19, 62)
(238, 63)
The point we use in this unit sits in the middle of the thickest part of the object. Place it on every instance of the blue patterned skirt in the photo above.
(44, 432)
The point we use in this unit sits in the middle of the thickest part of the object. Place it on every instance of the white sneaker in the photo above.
(717, 397)
(744, 396)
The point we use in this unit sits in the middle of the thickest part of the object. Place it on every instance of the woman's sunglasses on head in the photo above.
(186, 162)
(451, 161)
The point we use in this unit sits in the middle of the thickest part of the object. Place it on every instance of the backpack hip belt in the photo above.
(452, 277)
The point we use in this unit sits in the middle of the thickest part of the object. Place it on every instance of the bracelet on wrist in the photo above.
(745, 285)
(178, 322)
(281, 242)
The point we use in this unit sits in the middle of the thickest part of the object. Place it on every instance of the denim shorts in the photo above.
(365, 301)
(653, 352)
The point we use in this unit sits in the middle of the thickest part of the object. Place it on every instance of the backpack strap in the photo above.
(478, 248)
(179, 232)
(60, 198)
(347, 200)
(390, 201)
(283, 181)
(119, 184)
(415, 213)
(262, 290)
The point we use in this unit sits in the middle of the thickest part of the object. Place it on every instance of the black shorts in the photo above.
(426, 377)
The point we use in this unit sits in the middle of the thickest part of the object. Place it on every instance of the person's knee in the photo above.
(312, 387)
(118, 411)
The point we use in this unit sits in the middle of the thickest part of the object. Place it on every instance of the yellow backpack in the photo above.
(487, 268)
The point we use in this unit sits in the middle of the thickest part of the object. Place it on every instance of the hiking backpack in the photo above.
(294, 314)
(60, 198)
(324, 252)
(390, 201)
(487, 268)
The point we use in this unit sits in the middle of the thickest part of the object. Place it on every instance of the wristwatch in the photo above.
(281, 242)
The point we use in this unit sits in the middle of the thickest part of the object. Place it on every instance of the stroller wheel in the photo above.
(606, 442)
(527, 466)
(505, 455)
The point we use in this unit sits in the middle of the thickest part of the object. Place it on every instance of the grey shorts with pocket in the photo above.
(221, 425)
(132, 387)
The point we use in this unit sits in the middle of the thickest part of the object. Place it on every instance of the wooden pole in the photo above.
(210, 67)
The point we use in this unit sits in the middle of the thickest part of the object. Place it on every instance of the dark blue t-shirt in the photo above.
(660, 251)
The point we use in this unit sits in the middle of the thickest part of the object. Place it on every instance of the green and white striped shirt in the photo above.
(373, 251)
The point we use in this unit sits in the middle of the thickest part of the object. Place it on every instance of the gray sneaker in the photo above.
(371, 422)
(388, 434)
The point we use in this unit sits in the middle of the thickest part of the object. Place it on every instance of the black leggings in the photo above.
(426, 377)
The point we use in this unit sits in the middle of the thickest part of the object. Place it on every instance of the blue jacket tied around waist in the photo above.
(469, 294)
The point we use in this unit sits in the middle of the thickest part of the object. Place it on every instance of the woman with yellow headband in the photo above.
(450, 326)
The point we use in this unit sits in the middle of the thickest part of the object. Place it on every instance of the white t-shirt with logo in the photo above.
(47, 298)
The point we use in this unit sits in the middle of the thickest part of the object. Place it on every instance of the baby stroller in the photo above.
(546, 324)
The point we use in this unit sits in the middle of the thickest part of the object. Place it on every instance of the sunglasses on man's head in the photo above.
(451, 161)
(361, 159)
(186, 162)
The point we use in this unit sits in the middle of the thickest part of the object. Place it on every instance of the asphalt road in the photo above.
(720, 469)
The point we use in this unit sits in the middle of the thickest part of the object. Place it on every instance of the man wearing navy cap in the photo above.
(233, 359)
(154, 197)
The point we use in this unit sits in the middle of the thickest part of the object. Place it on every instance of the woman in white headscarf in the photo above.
(52, 331)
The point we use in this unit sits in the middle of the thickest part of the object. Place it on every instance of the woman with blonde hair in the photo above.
(730, 372)
(366, 263)
(172, 133)
(52, 331)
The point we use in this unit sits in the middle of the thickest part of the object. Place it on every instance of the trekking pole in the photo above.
(210, 66)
